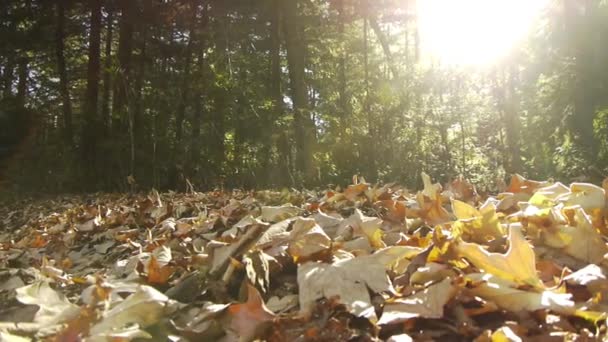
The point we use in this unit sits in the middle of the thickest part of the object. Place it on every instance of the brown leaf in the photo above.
(246, 319)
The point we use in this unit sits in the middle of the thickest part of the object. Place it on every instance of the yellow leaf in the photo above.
(427, 303)
(517, 264)
(588, 196)
(479, 224)
(585, 242)
(463, 210)
(504, 294)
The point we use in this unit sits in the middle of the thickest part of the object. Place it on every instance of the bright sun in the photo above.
(474, 32)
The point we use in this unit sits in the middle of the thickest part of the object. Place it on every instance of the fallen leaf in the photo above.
(517, 264)
(427, 303)
(275, 214)
(349, 280)
(247, 318)
(145, 307)
(505, 294)
(54, 307)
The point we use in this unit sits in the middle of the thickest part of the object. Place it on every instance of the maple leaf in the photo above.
(517, 264)
(307, 239)
(275, 214)
(479, 224)
(144, 307)
(247, 318)
(427, 303)
(349, 279)
(587, 196)
(430, 202)
(364, 226)
(584, 241)
(521, 184)
(53, 306)
(157, 273)
(505, 294)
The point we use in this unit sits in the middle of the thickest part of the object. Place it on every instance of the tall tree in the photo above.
(107, 72)
(64, 88)
(304, 127)
(221, 91)
(89, 139)
(125, 52)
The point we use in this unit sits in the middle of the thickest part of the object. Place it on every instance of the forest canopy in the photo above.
(107, 95)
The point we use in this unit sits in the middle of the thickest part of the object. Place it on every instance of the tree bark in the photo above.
(22, 82)
(89, 139)
(385, 47)
(372, 169)
(64, 88)
(276, 95)
(125, 52)
(304, 127)
(107, 77)
(221, 92)
(199, 110)
(7, 77)
(344, 103)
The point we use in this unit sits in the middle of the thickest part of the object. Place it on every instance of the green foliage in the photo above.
(203, 71)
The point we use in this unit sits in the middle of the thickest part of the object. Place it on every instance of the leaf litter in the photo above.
(366, 263)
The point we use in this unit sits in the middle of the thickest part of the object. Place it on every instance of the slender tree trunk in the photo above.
(304, 127)
(125, 51)
(107, 77)
(373, 171)
(385, 47)
(344, 107)
(89, 139)
(176, 165)
(513, 121)
(136, 115)
(221, 92)
(7, 77)
(22, 82)
(199, 110)
(186, 78)
(9, 69)
(68, 132)
(276, 94)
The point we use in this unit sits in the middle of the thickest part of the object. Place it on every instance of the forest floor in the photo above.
(365, 263)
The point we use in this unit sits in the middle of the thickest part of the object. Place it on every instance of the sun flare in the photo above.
(474, 32)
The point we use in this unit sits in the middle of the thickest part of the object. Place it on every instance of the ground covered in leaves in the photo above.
(365, 263)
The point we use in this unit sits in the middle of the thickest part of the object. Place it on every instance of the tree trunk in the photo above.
(89, 139)
(107, 77)
(9, 69)
(276, 94)
(513, 122)
(385, 47)
(125, 51)
(64, 89)
(304, 127)
(22, 82)
(221, 91)
(7, 77)
(186, 78)
(372, 170)
(344, 106)
(199, 110)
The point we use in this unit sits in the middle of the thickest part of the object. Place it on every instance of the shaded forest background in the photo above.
(109, 95)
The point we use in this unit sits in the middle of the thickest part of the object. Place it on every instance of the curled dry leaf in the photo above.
(248, 318)
(518, 264)
(348, 280)
(54, 307)
(427, 303)
(506, 295)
